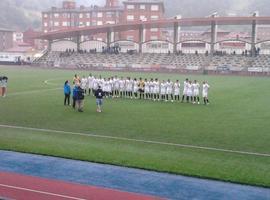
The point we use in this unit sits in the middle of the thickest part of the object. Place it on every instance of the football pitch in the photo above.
(227, 140)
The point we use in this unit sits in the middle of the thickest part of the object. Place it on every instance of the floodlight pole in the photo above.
(49, 45)
(78, 42)
(109, 37)
(213, 36)
(141, 38)
(253, 37)
(175, 36)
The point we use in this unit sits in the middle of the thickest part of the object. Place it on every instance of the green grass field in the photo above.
(237, 119)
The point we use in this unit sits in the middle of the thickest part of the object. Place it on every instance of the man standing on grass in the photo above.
(185, 90)
(99, 98)
(80, 98)
(3, 85)
(205, 93)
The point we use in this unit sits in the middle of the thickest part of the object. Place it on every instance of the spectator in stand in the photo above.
(99, 98)
(67, 92)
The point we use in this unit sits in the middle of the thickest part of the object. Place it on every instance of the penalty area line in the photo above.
(138, 140)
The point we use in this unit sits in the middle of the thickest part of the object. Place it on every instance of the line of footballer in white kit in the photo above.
(152, 89)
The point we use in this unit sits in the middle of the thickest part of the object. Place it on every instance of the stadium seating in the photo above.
(152, 60)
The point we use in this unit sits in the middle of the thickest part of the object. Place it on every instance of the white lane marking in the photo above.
(40, 192)
(138, 140)
(48, 82)
(32, 91)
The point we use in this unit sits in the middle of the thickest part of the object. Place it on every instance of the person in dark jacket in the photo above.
(67, 92)
(74, 96)
(80, 98)
(99, 98)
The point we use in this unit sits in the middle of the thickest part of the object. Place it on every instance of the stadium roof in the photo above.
(166, 23)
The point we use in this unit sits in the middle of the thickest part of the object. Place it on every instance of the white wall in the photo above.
(63, 45)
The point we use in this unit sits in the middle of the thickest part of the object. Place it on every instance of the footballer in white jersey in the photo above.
(129, 87)
(196, 92)
(84, 83)
(151, 87)
(116, 86)
(205, 90)
(169, 90)
(163, 89)
(189, 91)
(122, 87)
(90, 83)
(147, 89)
(95, 84)
(156, 89)
(176, 87)
(185, 90)
(135, 88)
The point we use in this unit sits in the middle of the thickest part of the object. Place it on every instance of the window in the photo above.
(81, 15)
(154, 17)
(142, 7)
(94, 23)
(154, 7)
(100, 14)
(56, 23)
(45, 31)
(94, 14)
(143, 18)
(153, 38)
(130, 17)
(99, 23)
(56, 15)
(130, 37)
(110, 22)
(87, 15)
(45, 15)
(87, 23)
(154, 29)
(130, 7)
(109, 14)
(81, 24)
(64, 23)
(45, 24)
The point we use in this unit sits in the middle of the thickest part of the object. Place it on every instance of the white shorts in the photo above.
(176, 93)
(163, 92)
(169, 91)
(185, 92)
(156, 90)
(146, 90)
(196, 93)
(189, 93)
(135, 89)
(205, 95)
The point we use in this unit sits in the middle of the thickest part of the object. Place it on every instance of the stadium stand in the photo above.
(154, 61)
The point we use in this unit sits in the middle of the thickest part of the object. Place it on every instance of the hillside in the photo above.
(21, 14)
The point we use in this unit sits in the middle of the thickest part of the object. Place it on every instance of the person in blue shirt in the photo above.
(67, 92)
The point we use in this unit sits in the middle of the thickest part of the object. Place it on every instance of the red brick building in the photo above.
(70, 15)
(6, 39)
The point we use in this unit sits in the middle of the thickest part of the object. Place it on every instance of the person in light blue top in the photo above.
(67, 92)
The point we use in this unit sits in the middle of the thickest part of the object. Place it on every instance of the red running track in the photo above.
(20, 187)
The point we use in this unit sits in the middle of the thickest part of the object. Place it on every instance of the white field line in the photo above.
(48, 82)
(138, 141)
(40, 192)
